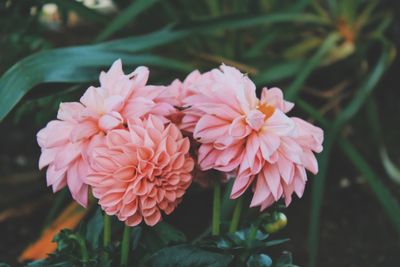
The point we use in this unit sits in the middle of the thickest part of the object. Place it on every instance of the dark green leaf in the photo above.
(312, 64)
(94, 228)
(285, 260)
(188, 256)
(82, 63)
(319, 182)
(135, 235)
(276, 242)
(125, 17)
(169, 234)
(69, 65)
(259, 260)
(45, 263)
(279, 72)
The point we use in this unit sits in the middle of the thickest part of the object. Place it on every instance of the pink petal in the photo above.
(110, 121)
(273, 178)
(242, 182)
(70, 152)
(83, 130)
(261, 192)
(279, 124)
(209, 128)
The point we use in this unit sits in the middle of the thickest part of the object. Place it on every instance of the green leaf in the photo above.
(188, 256)
(135, 236)
(285, 260)
(385, 198)
(293, 90)
(318, 183)
(276, 242)
(373, 119)
(68, 65)
(45, 263)
(279, 72)
(125, 17)
(259, 260)
(94, 228)
(83, 63)
(169, 234)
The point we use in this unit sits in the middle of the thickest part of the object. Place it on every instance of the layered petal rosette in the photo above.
(140, 172)
(101, 109)
(286, 174)
(251, 137)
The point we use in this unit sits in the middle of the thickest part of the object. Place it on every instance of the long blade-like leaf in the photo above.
(319, 182)
(81, 63)
(125, 17)
(311, 65)
(70, 65)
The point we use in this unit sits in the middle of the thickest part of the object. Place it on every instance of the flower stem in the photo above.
(125, 246)
(216, 219)
(106, 230)
(106, 234)
(236, 216)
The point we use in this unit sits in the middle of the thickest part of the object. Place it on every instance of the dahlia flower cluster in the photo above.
(134, 145)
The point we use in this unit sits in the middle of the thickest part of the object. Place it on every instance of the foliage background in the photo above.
(336, 59)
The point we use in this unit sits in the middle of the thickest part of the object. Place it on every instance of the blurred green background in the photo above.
(336, 59)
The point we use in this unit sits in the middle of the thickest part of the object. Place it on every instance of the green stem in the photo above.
(106, 235)
(216, 218)
(106, 230)
(236, 216)
(125, 246)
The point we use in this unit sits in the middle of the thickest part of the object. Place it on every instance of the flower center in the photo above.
(256, 118)
(266, 110)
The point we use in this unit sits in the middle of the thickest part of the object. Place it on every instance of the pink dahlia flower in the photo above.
(101, 109)
(175, 94)
(243, 134)
(286, 172)
(139, 172)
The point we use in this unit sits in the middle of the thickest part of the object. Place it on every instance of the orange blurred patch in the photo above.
(69, 218)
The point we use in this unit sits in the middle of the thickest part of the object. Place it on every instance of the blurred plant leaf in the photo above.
(259, 260)
(125, 17)
(82, 63)
(168, 233)
(334, 129)
(302, 48)
(68, 65)
(293, 90)
(373, 119)
(136, 234)
(388, 202)
(94, 228)
(285, 260)
(391, 169)
(279, 72)
(189, 256)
